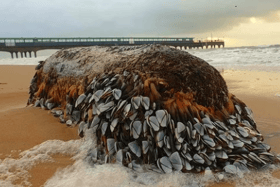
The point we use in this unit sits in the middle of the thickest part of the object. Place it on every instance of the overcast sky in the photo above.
(92, 18)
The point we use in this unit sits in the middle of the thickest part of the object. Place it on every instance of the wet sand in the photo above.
(21, 127)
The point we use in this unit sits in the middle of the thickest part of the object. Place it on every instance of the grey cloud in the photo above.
(89, 18)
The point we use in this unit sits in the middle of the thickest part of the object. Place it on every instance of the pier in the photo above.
(24, 47)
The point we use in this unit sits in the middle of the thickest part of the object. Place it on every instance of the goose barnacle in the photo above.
(81, 129)
(162, 117)
(104, 127)
(136, 129)
(80, 99)
(119, 156)
(134, 147)
(164, 164)
(136, 101)
(114, 123)
(145, 147)
(145, 101)
(111, 145)
(160, 138)
(176, 161)
(153, 123)
(97, 95)
(198, 159)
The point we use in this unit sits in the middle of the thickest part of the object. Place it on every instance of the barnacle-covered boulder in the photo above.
(150, 105)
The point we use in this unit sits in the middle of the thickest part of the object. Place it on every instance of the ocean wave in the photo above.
(267, 56)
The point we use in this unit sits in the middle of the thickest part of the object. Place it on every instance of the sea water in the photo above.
(86, 174)
(265, 58)
(6, 59)
(251, 58)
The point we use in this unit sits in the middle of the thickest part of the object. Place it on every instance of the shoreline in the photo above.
(22, 128)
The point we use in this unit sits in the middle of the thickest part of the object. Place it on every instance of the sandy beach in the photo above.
(22, 128)
(25, 127)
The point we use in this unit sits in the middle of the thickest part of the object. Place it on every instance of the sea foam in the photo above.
(86, 174)
(249, 58)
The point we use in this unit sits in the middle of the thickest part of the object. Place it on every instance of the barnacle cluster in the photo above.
(151, 105)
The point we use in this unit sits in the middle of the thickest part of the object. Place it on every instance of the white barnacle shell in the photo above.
(145, 101)
(111, 145)
(198, 159)
(126, 109)
(153, 122)
(145, 147)
(176, 161)
(199, 128)
(119, 156)
(160, 138)
(114, 123)
(104, 128)
(162, 117)
(137, 129)
(97, 95)
(80, 99)
(134, 147)
(209, 141)
(165, 165)
(117, 93)
(180, 127)
(136, 101)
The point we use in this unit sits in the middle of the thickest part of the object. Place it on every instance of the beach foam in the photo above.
(22, 61)
(84, 173)
(14, 170)
(5, 58)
